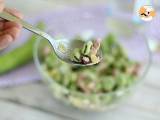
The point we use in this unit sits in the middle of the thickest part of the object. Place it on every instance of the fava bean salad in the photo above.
(88, 54)
(115, 71)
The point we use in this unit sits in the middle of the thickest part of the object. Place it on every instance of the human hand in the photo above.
(9, 31)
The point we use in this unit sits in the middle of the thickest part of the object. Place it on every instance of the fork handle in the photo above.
(9, 17)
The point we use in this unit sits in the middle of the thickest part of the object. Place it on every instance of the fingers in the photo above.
(5, 40)
(1, 5)
(8, 35)
(9, 31)
(11, 28)
(8, 25)
(14, 32)
(14, 12)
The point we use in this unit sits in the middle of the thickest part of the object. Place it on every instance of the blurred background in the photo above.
(23, 96)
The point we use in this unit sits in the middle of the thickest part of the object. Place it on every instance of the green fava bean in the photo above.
(109, 59)
(49, 61)
(87, 48)
(66, 80)
(120, 63)
(94, 58)
(98, 88)
(108, 83)
(122, 80)
(73, 87)
(76, 55)
(55, 74)
(107, 98)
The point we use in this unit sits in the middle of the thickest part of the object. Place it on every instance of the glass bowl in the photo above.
(95, 22)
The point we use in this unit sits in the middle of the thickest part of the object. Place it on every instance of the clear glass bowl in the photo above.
(95, 20)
